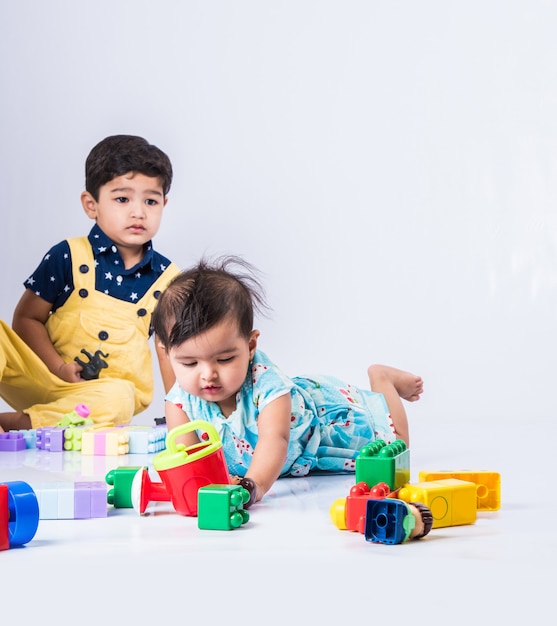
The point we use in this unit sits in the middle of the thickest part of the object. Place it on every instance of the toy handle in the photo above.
(214, 439)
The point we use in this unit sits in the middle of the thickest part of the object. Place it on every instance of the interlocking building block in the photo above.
(488, 485)
(20, 509)
(105, 442)
(4, 516)
(350, 513)
(378, 462)
(452, 501)
(30, 437)
(121, 479)
(388, 521)
(221, 507)
(146, 439)
(12, 441)
(50, 439)
(73, 435)
(67, 500)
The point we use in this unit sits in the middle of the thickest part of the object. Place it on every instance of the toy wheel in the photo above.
(23, 508)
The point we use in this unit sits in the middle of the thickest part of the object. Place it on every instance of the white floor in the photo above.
(289, 562)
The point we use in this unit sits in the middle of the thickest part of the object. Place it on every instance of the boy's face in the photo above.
(213, 365)
(129, 210)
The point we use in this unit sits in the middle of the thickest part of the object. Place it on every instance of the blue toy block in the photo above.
(388, 521)
(30, 437)
(146, 440)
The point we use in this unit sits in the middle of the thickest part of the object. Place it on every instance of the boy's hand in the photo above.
(70, 372)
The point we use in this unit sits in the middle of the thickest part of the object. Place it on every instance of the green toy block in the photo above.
(121, 478)
(221, 507)
(379, 462)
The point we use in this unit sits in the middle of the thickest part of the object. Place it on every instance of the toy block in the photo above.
(452, 501)
(350, 513)
(21, 513)
(67, 500)
(78, 417)
(4, 517)
(111, 441)
(30, 437)
(121, 479)
(117, 442)
(388, 521)
(50, 439)
(378, 462)
(12, 441)
(90, 499)
(221, 507)
(488, 485)
(146, 440)
(73, 435)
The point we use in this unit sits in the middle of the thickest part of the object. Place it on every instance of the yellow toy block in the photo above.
(452, 501)
(488, 485)
(105, 442)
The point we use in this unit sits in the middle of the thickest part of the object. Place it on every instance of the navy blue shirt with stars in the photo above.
(53, 278)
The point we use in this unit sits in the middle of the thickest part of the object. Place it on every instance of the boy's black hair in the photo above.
(119, 154)
(200, 297)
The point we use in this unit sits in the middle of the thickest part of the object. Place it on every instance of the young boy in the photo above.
(83, 323)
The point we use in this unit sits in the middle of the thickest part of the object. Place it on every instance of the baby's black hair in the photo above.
(201, 297)
(119, 154)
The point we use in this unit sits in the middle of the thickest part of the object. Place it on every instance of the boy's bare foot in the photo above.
(408, 386)
(18, 420)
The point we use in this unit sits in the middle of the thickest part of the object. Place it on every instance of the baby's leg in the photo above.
(396, 385)
(17, 420)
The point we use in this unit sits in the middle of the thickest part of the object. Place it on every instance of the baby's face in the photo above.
(213, 365)
(129, 209)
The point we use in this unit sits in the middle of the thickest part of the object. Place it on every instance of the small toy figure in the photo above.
(92, 369)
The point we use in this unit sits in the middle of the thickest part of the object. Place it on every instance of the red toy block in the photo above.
(4, 516)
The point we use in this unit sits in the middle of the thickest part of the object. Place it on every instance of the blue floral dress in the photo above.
(330, 420)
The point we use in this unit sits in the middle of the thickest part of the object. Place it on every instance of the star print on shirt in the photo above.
(108, 276)
(133, 296)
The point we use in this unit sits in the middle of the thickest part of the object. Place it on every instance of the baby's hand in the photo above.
(250, 485)
(70, 372)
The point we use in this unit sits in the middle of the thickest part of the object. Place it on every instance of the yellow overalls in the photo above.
(89, 320)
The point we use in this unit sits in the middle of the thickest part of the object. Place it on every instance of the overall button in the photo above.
(83, 293)
(84, 269)
(141, 312)
(103, 335)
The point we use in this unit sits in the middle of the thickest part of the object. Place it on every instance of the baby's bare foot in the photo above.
(408, 386)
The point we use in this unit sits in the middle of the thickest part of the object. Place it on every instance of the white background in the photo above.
(390, 166)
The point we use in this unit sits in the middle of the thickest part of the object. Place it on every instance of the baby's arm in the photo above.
(167, 373)
(175, 416)
(29, 319)
(270, 452)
